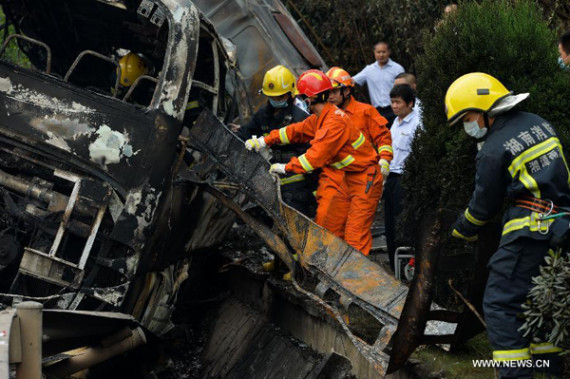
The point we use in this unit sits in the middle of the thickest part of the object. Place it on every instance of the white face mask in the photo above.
(472, 128)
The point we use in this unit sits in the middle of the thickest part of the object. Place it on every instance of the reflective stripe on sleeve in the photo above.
(387, 148)
(283, 136)
(472, 219)
(344, 163)
(544, 348)
(511, 355)
(456, 234)
(292, 179)
(359, 141)
(192, 105)
(305, 163)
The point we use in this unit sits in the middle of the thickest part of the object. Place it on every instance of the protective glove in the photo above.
(278, 168)
(255, 143)
(384, 168)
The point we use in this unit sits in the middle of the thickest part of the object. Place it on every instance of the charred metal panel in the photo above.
(123, 144)
(64, 121)
(71, 27)
(265, 34)
(84, 175)
(363, 298)
(180, 57)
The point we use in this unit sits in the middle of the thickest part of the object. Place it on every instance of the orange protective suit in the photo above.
(330, 181)
(374, 127)
(358, 197)
(336, 142)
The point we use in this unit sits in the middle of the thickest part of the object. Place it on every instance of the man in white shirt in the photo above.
(410, 79)
(379, 77)
(403, 131)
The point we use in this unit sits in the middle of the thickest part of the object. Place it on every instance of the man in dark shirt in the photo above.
(280, 110)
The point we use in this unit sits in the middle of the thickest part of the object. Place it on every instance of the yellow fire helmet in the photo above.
(475, 91)
(132, 66)
(278, 81)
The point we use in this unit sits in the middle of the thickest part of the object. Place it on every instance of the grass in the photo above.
(458, 364)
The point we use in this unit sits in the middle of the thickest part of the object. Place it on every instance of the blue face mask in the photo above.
(303, 105)
(278, 104)
(472, 128)
(562, 64)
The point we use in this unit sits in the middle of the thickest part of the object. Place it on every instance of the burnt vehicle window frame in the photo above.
(65, 54)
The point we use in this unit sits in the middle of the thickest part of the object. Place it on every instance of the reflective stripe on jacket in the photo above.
(521, 156)
(374, 127)
(334, 141)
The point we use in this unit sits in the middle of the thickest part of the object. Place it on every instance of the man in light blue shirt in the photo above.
(410, 79)
(379, 77)
(403, 131)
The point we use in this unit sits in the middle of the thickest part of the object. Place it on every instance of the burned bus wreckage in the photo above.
(107, 191)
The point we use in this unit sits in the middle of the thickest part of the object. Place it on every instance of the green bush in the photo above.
(348, 29)
(13, 54)
(506, 39)
(547, 312)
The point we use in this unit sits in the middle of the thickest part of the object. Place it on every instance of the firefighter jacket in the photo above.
(335, 141)
(521, 157)
(372, 125)
(265, 120)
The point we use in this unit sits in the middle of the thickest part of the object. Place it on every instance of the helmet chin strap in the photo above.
(344, 98)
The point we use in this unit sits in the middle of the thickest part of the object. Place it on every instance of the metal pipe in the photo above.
(100, 56)
(95, 355)
(30, 315)
(32, 190)
(57, 201)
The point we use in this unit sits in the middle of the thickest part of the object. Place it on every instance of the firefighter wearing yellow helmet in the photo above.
(279, 86)
(132, 67)
(277, 82)
(520, 157)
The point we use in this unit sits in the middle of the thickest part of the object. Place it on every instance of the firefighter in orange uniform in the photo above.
(335, 142)
(375, 129)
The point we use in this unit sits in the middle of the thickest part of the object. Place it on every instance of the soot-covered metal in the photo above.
(91, 217)
(105, 191)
